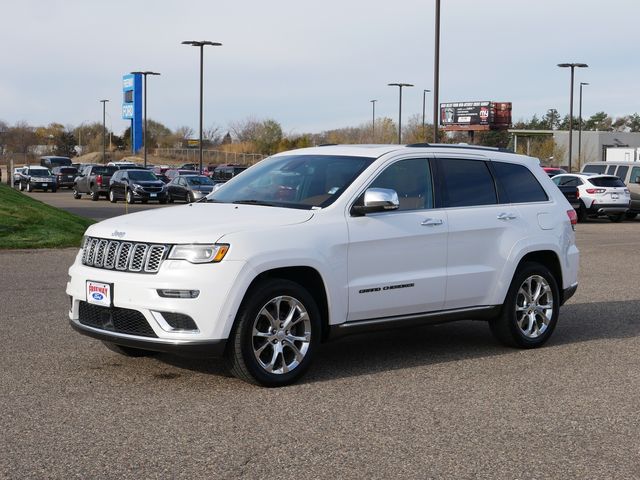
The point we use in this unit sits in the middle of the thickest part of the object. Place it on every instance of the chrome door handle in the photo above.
(506, 216)
(432, 222)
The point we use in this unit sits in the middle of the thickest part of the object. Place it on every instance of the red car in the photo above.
(553, 171)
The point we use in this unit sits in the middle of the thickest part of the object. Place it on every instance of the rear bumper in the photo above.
(606, 208)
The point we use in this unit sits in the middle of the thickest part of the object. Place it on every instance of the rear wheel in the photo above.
(275, 336)
(95, 196)
(128, 351)
(617, 218)
(21, 186)
(170, 198)
(530, 311)
(29, 187)
(582, 212)
(112, 196)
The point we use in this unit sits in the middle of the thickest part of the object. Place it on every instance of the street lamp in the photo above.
(104, 130)
(373, 121)
(580, 125)
(144, 132)
(436, 73)
(572, 66)
(201, 44)
(400, 85)
(424, 97)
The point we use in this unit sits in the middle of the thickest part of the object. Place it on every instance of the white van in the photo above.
(628, 172)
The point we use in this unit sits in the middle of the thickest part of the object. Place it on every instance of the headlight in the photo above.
(137, 186)
(199, 253)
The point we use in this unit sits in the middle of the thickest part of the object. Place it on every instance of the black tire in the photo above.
(170, 199)
(21, 186)
(95, 195)
(630, 215)
(617, 218)
(505, 327)
(128, 196)
(112, 196)
(128, 351)
(240, 354)
(189, 198)
(76, 194)
(582, 213)
(29, 187)
(54, 189)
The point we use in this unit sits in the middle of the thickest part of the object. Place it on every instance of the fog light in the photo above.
(178, 293)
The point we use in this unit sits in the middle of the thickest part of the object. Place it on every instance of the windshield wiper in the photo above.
(254, 202)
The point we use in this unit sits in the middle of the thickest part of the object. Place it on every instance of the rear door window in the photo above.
(518, 184)
(611, 169)
(466, 183)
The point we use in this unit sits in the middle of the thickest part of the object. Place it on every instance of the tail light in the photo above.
(577, 193)
(595, 190)
(99, 180)
(573, 218)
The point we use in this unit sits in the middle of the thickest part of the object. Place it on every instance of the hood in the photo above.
(195, 223)
(148, 183)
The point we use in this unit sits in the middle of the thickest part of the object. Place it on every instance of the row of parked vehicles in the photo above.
(124, 180)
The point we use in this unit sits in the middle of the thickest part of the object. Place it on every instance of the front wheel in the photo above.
(29, 187)
(530, 310)
(582, 213)
(95, 195)
(630, 215)
(76, 194)
(129, 197)
(112, 196)
(21, 186)
(275, 336)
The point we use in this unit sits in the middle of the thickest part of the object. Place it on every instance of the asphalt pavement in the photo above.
(434, 402)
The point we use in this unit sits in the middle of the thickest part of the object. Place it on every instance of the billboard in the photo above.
(482, 115)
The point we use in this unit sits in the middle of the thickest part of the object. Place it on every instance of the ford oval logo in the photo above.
(97, 296)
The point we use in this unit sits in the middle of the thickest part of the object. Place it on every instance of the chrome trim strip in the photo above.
(160, 341)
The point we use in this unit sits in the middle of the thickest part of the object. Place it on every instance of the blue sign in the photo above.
(132, 107)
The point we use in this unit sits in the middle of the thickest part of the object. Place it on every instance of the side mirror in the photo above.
(377, 200)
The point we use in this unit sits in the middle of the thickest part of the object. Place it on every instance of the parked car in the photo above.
(36, 178)
(93, 180)
(628, 172)
(65, 176)
(51, 161)
(134, 185)
(121, 165)
(600, 195)
(223, 173)
(553, 171)
(189, 188)
(317, 243)
(174, 172)
(16, 175)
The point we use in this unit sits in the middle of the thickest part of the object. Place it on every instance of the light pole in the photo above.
(572, 66)
(580, 125)
(104, 130)
(436, 73)
(144, 132)
(424, 97)
(400, 85)
(373, 121)
(201, 44)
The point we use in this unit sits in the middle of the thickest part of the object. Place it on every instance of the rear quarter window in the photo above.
(518, 184)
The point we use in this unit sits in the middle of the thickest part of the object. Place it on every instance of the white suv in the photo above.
(316, 243)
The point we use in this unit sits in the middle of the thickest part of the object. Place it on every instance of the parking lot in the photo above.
(434, 402)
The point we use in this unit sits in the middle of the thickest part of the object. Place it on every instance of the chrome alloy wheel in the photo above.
(534, 306)
(281, 335)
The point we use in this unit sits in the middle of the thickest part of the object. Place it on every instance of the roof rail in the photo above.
(461, 145)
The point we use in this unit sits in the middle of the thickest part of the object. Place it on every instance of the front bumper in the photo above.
(143, 195)
(213, 311)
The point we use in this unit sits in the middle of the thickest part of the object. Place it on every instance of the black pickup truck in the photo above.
(571, 194)
(94, 180)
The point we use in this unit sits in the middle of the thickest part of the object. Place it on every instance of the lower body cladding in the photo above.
(184, 308)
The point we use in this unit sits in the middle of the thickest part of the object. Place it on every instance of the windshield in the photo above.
(39, 171)
(67, 170)
(144, 176)
(202, 180)
(294, 181)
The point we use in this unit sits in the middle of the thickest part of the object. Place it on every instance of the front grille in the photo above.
(115, 319)
(152, 189)
(123, 256)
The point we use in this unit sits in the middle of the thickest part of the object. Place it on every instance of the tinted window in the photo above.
(606, 182)
(68, 170)
(104, 170)
(411, 179)
(635, 174)
(200, 180)
(142, 175)
(622, 172)
(519, 184)
(594, 168)
(611, 169)
(466, 183)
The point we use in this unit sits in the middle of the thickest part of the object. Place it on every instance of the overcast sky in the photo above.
(312, 66)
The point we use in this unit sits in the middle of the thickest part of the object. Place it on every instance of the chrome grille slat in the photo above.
(136, 257)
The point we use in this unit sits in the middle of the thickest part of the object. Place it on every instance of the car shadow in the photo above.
(396, 349)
